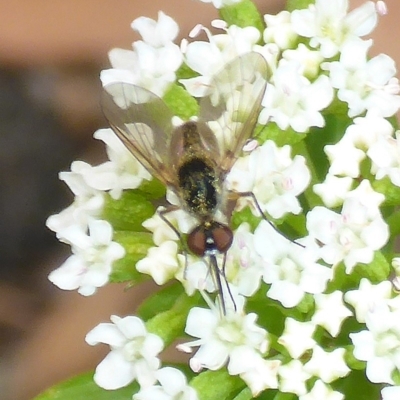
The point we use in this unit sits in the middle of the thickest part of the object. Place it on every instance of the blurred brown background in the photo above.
(50, 56)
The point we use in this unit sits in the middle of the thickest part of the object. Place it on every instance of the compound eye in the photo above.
(215, 238)
(196, 241)
(223, 237)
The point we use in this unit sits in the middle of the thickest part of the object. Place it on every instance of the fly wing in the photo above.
(143, 122)
(232, 109)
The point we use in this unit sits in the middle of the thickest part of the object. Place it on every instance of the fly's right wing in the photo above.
(232, 108)
(143, 122)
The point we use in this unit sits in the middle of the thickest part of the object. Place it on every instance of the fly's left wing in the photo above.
(143, 122)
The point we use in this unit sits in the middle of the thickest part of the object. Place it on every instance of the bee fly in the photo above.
(194, 159)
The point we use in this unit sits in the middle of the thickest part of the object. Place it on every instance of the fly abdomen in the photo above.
(198, 183)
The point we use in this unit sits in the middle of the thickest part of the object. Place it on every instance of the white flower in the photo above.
(330, 311)
(366, 131)
(367, 197)
(244, 267)
(91, 263)
(309, 60)
(152, 63)
(385, 155)
(390, 393)
(291, 269)
(207, 58)
(379, 346)
(218, 337)
(161, 262)
(273, 177)
(197, 276)
(293, 378)
(123, 171)
(368, 296)
(279, 30)
(173, 386)
(221, 3)
(330, 27)
(234, 339)
(344, 158)
(328, 366)
(292, 100)
(365, 84)
(271, 53)
(133, 354)
(367, 135)
(333, 190)
(154, 68)
(181, 220)
(322, 391)
(156, 33)
(379, 369)
(88, 202)
(162, 232)
(297, 337)
(258, 373)
(351, 236)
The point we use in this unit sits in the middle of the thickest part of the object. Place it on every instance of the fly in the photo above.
(194, 159)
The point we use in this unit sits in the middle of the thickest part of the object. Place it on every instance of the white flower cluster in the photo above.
(379, 343)
(80, 225)
(153, 61)
(317, 60)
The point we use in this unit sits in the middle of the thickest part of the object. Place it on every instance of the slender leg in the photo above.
(216, 274)
(178, 234)
(264, 217)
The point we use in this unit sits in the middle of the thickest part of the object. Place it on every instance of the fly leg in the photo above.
(216, 274)
(236, 195)
(162, 214)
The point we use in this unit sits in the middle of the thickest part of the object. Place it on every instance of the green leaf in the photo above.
(294, 226)
(318, 138)
(376, 271)
(161, 301)
(284, 396)
(298, 4)
(152, 189)
(390, 191)
(394, 223)
(242, 14)
(352, 362)
(356, 386)
(180, 102)
(128, 212)
(185, 72)
(242, 216)
(216, 385)
(170, 324)
(271, 314)
(82, 387)
(245, 394)
(271, 131)
(136, 245)
(342, 281)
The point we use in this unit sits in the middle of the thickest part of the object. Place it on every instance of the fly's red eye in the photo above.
(196, 241)
(203, 239)
(223, 238)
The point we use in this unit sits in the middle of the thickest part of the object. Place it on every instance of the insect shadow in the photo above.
(194, 159)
